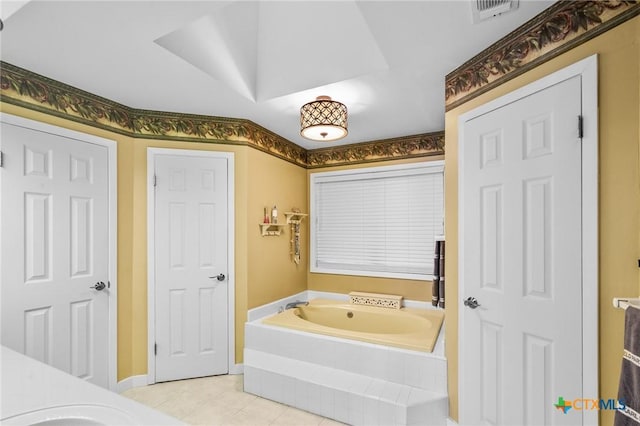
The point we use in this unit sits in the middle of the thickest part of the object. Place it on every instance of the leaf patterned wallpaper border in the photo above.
(30, 90)
(396, 148)
(557, 29)
(33, 91)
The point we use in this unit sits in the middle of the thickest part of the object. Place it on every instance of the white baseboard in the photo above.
(237, 369)
(131, 382)
(142, 379)
(451, 422)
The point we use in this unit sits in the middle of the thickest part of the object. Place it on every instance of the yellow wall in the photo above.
(619, 192)
(273, 275)
(410, 289)
(263, 272)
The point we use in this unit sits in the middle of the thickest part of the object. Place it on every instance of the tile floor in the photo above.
(219, 400)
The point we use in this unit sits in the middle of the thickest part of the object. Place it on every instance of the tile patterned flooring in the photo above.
(220, 400)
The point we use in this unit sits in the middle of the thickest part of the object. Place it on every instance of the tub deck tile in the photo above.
(327, 402)
(376, 388)
(403, 397)
(272, 386)
(386, 413)
(391, 392)
(289, 390)
(302, 399)
(356, 409)
(341, 408)
(352, 382)
(252, 380)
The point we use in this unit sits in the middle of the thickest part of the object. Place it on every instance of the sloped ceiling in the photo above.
(386, 60)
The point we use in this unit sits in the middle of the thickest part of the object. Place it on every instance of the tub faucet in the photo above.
(295, 304)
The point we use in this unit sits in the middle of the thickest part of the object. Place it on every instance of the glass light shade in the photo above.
(323, 120)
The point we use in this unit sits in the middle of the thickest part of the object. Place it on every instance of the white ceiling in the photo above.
(386, 60)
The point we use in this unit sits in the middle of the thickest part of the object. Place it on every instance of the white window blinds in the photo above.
(377, 222)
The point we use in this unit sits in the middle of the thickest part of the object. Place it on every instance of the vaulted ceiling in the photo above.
(260, 60)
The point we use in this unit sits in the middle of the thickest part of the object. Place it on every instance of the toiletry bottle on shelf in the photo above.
(274, 215)
(266, 216)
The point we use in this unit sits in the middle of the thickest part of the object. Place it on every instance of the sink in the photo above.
(34, 393)
(72, 415)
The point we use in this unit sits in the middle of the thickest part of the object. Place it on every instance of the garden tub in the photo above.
(407, 328)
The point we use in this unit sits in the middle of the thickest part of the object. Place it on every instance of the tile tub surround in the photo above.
(349, 381)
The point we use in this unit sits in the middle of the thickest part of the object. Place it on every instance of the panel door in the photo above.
(191, 267)
(521, 242)
(55, 248)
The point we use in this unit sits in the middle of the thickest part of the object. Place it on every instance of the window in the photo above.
(378, 221)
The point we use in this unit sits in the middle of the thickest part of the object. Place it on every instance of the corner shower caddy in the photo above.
(294, 219)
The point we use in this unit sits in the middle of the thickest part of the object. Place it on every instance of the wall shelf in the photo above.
(294, 217)
(270, 229)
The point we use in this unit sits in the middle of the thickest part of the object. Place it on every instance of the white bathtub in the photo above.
(352, 381)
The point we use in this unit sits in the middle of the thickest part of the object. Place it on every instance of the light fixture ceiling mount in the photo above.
(323, 120)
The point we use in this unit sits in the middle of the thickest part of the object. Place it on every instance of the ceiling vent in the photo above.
(481, 10)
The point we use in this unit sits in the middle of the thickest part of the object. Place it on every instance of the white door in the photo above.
(521, 259)
(55, 251)
(190, 267)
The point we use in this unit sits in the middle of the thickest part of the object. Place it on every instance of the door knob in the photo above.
(471, 302)
(219, 277)
(99, 286)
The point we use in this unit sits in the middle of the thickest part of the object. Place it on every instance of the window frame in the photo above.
(436, 166)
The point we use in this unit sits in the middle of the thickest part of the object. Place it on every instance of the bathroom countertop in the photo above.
(29, 386)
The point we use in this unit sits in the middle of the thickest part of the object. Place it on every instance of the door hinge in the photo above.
(155, 180)
(155, 349)
(1, 159)
(580, 127)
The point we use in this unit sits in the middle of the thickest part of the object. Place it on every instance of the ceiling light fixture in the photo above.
(323, 120)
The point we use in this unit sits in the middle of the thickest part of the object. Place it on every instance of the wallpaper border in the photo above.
(559, 28)
(33, 91)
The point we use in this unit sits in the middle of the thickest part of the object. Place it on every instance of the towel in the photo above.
(629, 390)
(441, 283)
(435, 285)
